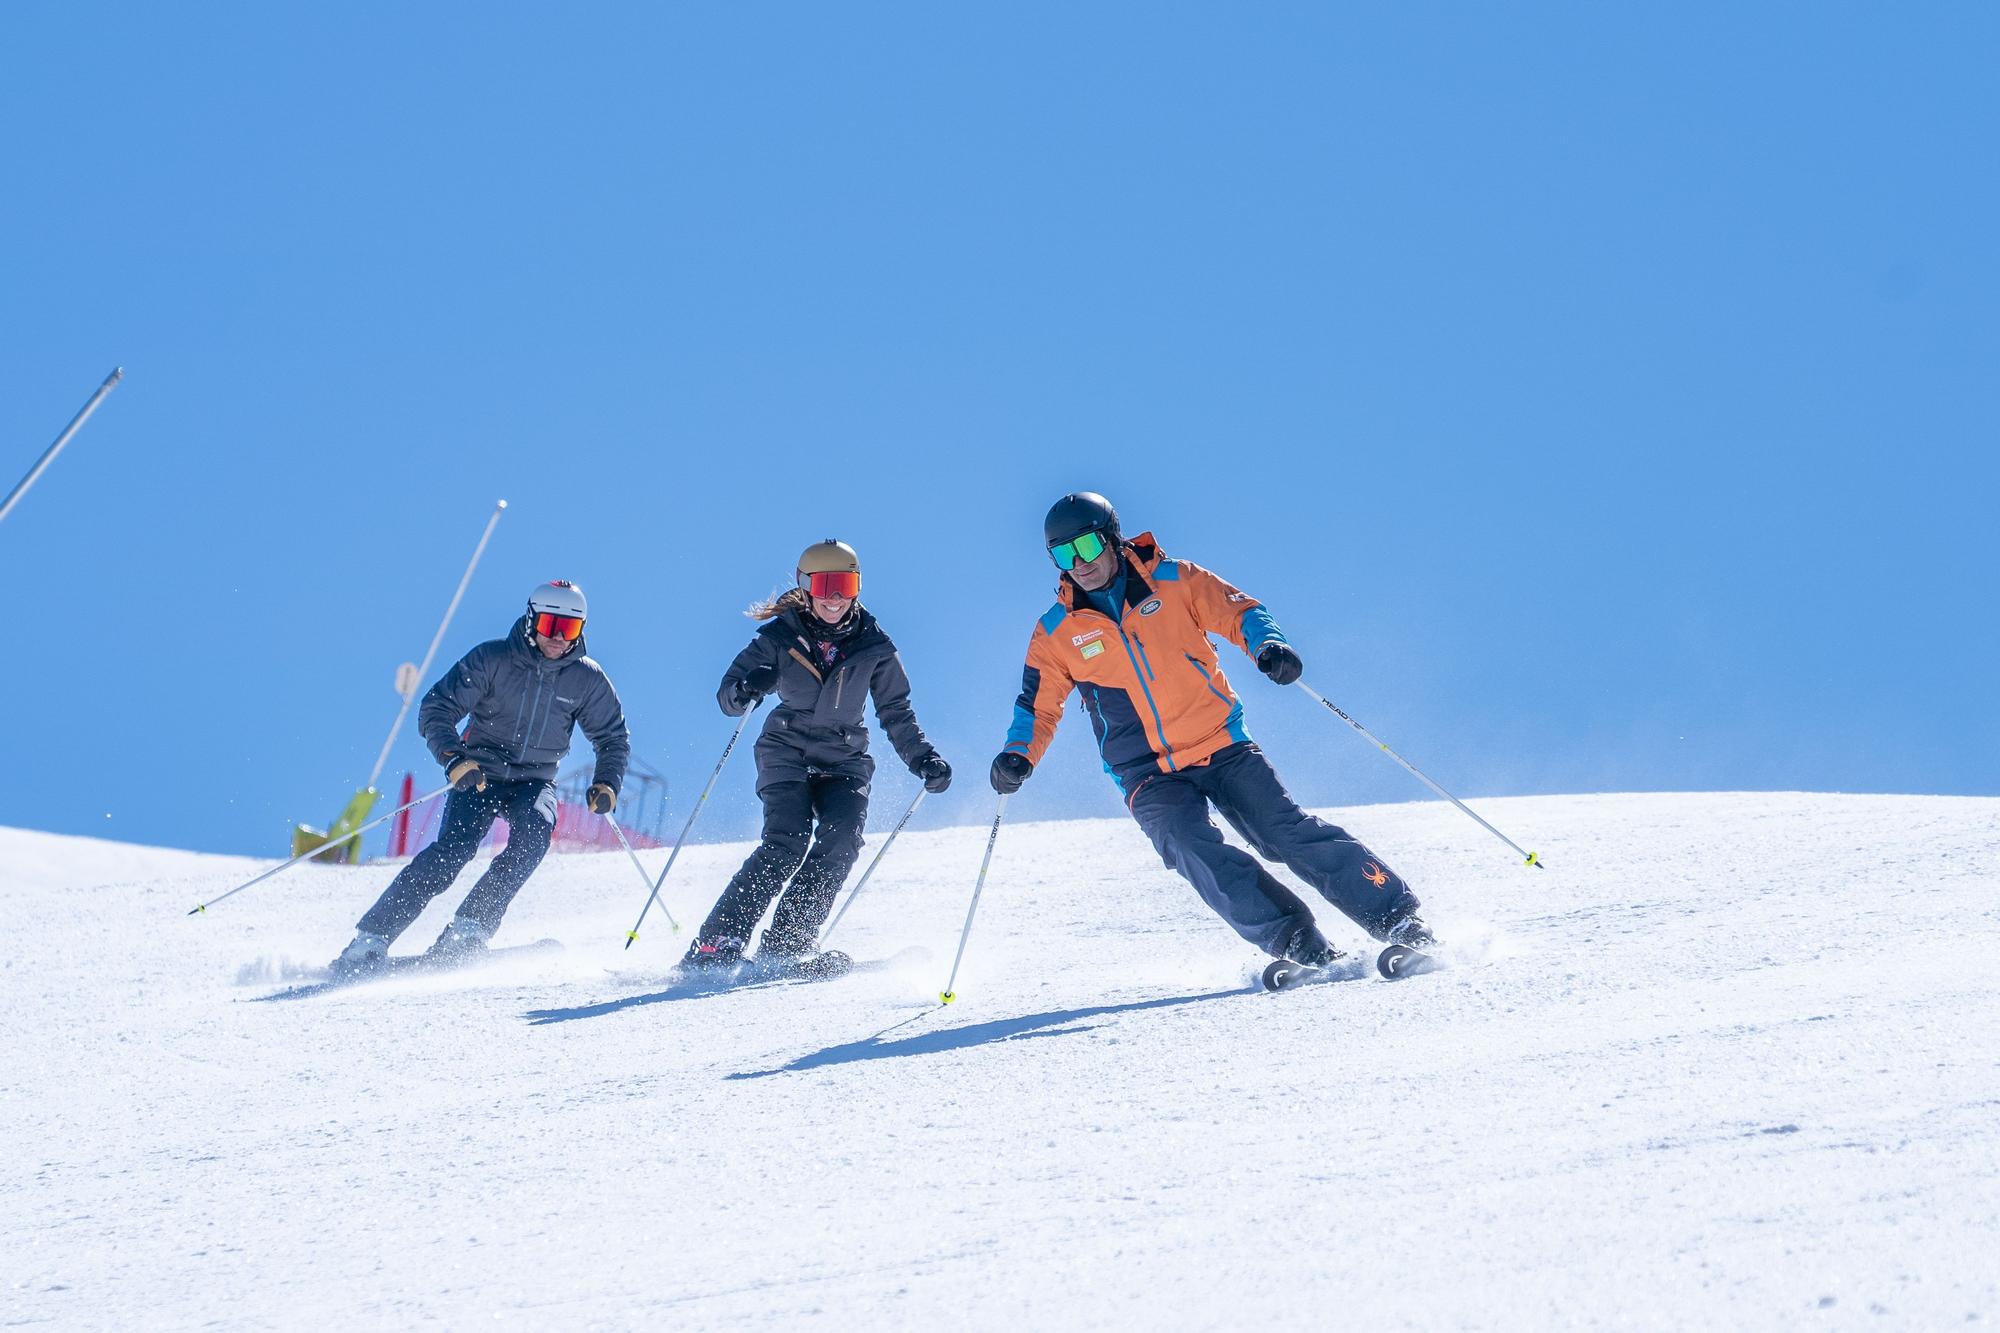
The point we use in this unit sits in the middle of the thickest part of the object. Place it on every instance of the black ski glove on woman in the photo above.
(935, 772)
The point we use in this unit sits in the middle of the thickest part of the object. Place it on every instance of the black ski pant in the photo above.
(529, 807)
(1173, 810)
(816, 861)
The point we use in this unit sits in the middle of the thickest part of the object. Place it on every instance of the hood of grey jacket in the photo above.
(519, 709)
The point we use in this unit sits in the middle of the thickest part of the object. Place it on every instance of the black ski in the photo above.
(824, 966)
(765, 971)
(1285, 974)
(414, 964)
(1399, 961)
(1395, 963)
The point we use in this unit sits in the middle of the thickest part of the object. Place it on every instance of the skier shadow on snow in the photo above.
(1054, 1023)
(681, 990)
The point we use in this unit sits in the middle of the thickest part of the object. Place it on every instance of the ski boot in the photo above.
(1412, 949)
(364, 956)
(463, 939)
(714, 955)
(811, 966)
(1307, 953)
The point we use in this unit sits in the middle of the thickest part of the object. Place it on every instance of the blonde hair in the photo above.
(791, 599)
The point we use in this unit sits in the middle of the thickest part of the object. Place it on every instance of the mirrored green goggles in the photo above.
(1080, 549)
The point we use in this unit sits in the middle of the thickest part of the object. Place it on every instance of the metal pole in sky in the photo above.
(49, 454)
(410, 694)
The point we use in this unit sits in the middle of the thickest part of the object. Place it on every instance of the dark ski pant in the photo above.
(529, 809)
(1173, 810)
(815, 861)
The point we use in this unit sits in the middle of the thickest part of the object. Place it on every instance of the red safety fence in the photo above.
(642, 809)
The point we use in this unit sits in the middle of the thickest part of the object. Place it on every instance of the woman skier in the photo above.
(820, 652)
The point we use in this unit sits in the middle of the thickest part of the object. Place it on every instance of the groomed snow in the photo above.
(1730, 1063)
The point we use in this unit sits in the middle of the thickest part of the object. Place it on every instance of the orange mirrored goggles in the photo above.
(552, 626)
(839, 583)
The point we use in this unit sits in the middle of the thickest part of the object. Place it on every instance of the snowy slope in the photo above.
(1731, 1063)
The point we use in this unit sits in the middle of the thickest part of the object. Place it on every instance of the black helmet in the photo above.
(1074, 515)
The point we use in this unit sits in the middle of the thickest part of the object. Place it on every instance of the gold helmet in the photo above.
(830, 569)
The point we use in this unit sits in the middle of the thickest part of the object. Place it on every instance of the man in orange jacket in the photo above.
(1129, 632)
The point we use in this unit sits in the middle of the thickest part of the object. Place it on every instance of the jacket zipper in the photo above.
(537, 715)
(1144, 660)
(1195, 662)
(1159, 727)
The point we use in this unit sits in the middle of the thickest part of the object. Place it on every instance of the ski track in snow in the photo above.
(1730, 1063)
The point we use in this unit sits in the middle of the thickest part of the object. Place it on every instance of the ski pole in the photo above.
(1530, 857)
(681, 841)
(947, 995)
(408, 805)
(49, 454)
(644, 878)
(871, 866)
(436, 639)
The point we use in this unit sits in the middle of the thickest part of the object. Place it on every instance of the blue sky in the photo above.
(1602, 397)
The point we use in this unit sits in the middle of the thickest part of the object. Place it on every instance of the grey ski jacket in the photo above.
(817, 726)
(522, 708)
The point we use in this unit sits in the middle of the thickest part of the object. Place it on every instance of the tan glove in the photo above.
(601, 799)
(465, 776)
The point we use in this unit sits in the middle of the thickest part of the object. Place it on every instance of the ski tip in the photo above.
(1276, 975)
(947, 996)
(1399, 961)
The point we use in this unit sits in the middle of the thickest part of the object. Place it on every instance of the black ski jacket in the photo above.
(817, 726)
(523, 707)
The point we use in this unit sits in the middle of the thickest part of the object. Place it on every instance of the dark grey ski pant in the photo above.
(529, 807)
(1173, 810)
(815, 861)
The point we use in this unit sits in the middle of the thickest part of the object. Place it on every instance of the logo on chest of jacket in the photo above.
(1147, 608)
(1092, 649)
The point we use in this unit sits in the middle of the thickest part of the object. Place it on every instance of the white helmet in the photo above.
(558, 597)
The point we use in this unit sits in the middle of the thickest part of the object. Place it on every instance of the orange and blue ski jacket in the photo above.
(1150, 682)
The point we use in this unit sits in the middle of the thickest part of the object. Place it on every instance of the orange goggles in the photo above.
(552, 626)
(844, 583)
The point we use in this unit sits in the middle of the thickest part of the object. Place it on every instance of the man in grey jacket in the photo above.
(523, 695)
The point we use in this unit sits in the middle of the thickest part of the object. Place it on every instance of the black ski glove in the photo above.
(1010, 770)
(756, 683)
(1279, 662)
(601, 799)
(935, 772)
(465, 775)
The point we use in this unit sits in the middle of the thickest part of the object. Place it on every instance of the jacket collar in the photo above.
(855, 631)
(1141, 556)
